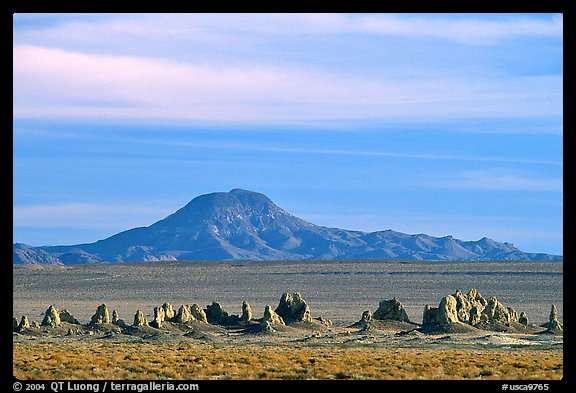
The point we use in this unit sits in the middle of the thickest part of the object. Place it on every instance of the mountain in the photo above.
(247, 225)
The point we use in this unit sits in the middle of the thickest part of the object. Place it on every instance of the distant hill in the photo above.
(247, 225)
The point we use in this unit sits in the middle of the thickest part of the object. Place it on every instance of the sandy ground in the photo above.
(218, 361)
(339, 291)
(198, 350)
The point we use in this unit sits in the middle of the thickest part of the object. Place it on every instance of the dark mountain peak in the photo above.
(239, 198)
(243, 224)
(226, 215)
(243, 191)
(232, 198)
(254, 199)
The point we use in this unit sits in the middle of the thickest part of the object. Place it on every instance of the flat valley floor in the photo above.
(335, 290)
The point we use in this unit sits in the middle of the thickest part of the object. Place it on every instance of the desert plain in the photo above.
(339, 291)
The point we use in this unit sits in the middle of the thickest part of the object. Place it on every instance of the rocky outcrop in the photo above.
(430, 315)
(475, 299)
(553, 325)
(292, 308)
(391, 310)
(513, 315)
(495, 312)
(447, 312)
(272, 317)
(472, 309)
(246, 312)
(24, 323)
(194, 312)
(117, 321)
(553, 313)
(389, 316)
(139, 319)
(323, 321)
(198, 313)
(266, 326)
(51, 317)
(463, 307)
(183, 314)
(468, 306)
(215, 314)
(169, 313)
(101, 315)
(455, 313)
(475, 316)
(365, 320)
(158, 317)
(65, 316)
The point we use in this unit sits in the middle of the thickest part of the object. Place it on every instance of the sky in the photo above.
(444, 124)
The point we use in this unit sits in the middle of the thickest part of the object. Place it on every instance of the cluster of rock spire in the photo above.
(459, 309)
(291, 309)
(471, 309)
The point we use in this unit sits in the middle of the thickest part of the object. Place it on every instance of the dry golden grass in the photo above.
(205, 361)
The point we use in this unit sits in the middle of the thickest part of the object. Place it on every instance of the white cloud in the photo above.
(469, 28)
(55, 83)
(237, 68)
(493, 180)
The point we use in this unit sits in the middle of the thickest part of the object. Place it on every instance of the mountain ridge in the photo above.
(246, 225)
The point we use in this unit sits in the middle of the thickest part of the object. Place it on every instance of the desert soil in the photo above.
(220, 361)
(338, 291)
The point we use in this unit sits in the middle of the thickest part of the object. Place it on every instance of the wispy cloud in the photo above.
(234, 144)
(55, 83)
(493, 180)
(269, 68)
(470, 29)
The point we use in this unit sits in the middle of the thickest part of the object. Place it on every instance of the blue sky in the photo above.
(420, 123)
